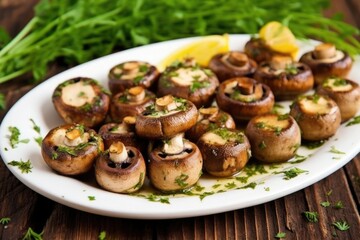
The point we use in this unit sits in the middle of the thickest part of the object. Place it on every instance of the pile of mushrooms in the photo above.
(327, 61)
(135, 123)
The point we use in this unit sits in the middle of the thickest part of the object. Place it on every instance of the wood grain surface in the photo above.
(29, 209)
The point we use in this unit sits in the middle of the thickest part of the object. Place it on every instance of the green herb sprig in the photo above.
(15, 137)
(75, 32)
(32, 235)
(25, 167)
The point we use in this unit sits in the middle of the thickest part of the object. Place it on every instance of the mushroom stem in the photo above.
(118, 153)
(209, 113)
(174, 145)
(324, 51)
(237, 59)
(74, 137)
(165, 103)
(280, 62)
(136, 94)
(246, 88)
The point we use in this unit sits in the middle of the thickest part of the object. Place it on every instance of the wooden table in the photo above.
(27, 209)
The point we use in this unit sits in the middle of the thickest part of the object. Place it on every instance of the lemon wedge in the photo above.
(279, 38)
(201, 50)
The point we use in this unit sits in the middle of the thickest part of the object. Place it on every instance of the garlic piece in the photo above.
(75, 137)
(174, 145)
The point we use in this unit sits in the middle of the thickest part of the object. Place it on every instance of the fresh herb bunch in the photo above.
(78, 31)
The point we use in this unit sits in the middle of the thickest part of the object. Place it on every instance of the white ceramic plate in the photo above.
(78, 192)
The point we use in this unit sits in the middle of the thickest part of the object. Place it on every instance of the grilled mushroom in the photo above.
(81, 100)
(256, 49)
(190, 82)
(131, 102)
(244, 98)
(345, 93)
(209, 119)
(132, 73)
(175, 165)
(286, 78)
(232, 64)
(318, 116)
(165, 118)
(120, 169)
(71, 149)
(123, 132)
(273, 138)
(326, 61)
(225, 151)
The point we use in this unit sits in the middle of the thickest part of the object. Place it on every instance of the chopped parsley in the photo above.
(313, 144)
(5, 220)
(341, 225)
(280, 235)
(91, 198)
(355, 120)
(291, 69)
(262, 145)
(25, 167)
(102, 235)
(156, 198)
(267, 189)
(325, 204)
(181, 180)
(311, 216)
(229, 135)
(230, 185)
(205, 194)
(298, 159)
(196, 85)
(14, 137)
(32, 235)
(336, 151)
(338, 205)
(294, 172)
(38, 140)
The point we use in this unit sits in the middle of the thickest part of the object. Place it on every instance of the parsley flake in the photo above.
(102, 235)
(25, 167)
(311, 216)
(341, 225)
(280, 235)
(2, 101)
(91, 198)
(336, 151)
(338, 205)
(5, 220)
(355, 120)
(32, 235)
(14, 137)
(294, 172)
(325, 204)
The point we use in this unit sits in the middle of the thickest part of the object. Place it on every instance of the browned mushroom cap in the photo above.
(345, 93)
(244, 98)
(325, 61)
(318, 117)
(256, 49)
(131, 102)
(209, 119)
(172, 172)
(273, 138)
(120, 169)
(232, 64)
(81, 100)
(194, 83)
(286, 78)
(124, 132)
(130, 74)
(165, 118)
(225, 151)
(71, 149)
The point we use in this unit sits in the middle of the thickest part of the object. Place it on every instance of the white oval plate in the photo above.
(77, 193)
